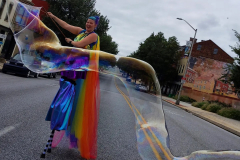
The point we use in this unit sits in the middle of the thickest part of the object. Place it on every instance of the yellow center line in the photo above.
(154, 136)
(147, 136)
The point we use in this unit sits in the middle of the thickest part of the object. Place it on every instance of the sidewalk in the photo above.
(230, 125)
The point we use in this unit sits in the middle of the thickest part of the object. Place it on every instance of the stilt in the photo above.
(48, 146)
(50, 143)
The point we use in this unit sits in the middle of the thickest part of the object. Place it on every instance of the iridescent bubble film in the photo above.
(42, 52)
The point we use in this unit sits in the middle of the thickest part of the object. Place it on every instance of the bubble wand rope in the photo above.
(45, 11)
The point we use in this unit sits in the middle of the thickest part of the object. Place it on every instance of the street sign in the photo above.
(189, 43)
(3, 36)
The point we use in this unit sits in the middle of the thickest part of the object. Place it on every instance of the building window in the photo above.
(199, 47)
(9, 11)
(2, 7)
(182, 68)
(215, 51)
(21, 17)
(2, 32)
(178, 68)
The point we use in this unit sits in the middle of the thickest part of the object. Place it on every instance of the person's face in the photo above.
(90, 25)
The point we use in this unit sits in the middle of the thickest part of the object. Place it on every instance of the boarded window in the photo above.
(199, 47)
(9, 12)
(215, 51)
(2, 7)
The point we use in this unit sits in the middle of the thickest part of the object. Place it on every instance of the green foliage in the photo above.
(200, 104)
(232, 74)
(194, 104)
(230, 113)
(187, 99)
(134, 68)
(219, 108)
(107, 45)
(214, 107)
(205, 105)
(76, 13)
(161, 54)
(221, 103)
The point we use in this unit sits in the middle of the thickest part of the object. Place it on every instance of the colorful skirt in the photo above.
(74, 111)
(60, 110)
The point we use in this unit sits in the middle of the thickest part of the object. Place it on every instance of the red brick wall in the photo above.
(207, 50)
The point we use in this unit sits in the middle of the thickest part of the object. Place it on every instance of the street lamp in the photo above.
(179, 94)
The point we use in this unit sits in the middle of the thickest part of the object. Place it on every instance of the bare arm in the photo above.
(73, 29)
(86, 41)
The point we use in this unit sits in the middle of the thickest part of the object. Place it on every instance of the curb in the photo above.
(237, 133)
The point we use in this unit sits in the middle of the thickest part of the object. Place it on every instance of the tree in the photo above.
(108, 45)
(232, 74)
(138, 70)
(162, 54)
(76, 12)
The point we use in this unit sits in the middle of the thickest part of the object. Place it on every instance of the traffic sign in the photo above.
(3, 36)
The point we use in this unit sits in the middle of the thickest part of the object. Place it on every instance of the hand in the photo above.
(68, 40)
(50, 15)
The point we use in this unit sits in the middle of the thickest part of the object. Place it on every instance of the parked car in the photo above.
(16, 66)
(141, 88)
(128, 79)
(49, 75)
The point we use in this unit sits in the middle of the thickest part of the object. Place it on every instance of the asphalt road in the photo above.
(24, 103)
(188, 133)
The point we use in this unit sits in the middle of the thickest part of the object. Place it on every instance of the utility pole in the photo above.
(186, 68)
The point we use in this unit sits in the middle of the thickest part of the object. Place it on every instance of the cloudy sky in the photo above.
(132, 21)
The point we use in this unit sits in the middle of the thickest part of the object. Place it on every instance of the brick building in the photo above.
(209, 49)
(206, 52)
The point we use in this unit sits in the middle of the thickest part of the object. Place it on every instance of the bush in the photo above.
(229, 113)
(194, 104)
(200, 104)
(214, 107)
(206, 104)
(187, 99)
(184, 98)
(221, 104)
(192, 100)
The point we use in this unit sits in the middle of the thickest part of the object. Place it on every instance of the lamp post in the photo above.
(179, 93)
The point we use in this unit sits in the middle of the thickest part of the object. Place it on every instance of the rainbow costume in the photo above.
(74, 109)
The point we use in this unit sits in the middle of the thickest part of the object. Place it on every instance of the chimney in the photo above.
(191, 39)
(202, 40)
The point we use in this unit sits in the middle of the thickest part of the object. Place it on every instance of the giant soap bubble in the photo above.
(42, 52)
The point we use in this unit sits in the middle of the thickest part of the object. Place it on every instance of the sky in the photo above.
(132, 21)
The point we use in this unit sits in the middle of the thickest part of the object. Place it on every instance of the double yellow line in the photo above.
(144, 130)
